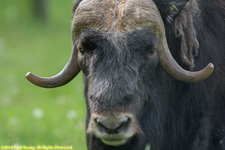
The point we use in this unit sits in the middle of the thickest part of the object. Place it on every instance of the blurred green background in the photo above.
(31, 115)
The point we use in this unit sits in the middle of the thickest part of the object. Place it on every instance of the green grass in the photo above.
(30, 115)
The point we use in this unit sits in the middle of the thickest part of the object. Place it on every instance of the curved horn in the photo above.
(166, 60)
(66, 75)
(175, 70)
(148, 17)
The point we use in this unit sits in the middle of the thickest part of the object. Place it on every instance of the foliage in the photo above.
(30, 115)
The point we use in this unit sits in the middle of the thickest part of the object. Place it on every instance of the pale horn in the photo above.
(175, 70)
(66, 75)
(167, 61)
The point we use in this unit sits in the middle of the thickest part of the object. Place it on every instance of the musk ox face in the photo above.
(118, 44)
(116, 66)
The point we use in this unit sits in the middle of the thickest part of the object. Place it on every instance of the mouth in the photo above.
(114, 129)
(114, 142)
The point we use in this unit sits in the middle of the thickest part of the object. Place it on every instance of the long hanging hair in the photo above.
(184, 28)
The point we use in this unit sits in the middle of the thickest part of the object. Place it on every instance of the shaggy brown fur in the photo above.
(184, 28)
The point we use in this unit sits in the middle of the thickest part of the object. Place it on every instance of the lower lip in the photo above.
(114, 142)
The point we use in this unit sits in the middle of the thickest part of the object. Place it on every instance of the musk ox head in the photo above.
(118, 44)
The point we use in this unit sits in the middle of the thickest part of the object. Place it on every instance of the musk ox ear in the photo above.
(170, 9)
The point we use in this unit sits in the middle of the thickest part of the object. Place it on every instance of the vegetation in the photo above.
(31, 115)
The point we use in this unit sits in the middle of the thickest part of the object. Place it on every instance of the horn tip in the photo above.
(29, 75)
(211, 66)
(36, 80)
(210, 69)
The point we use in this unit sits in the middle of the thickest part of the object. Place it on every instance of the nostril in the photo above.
(123, 124)
(117, 127)
(100, 123)
(124, 120)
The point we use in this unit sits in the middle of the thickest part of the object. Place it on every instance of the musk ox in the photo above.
(148, 76)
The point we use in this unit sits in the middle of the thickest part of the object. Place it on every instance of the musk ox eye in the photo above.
(80, 48)
(82, 51)
(152, 51)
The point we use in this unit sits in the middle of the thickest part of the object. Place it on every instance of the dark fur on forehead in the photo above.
(116, 61)
(145, 38)
(75, 5)
(89, 38)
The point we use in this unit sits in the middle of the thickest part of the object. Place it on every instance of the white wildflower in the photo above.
(5, 101)
(14, 121)
(38, 113)
(61, 100)
(71, 114)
